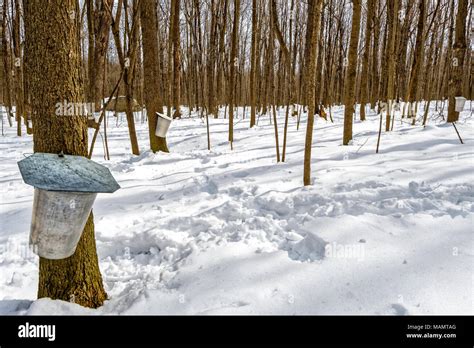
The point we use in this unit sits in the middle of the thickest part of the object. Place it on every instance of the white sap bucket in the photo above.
(459, 106)
(96, 117)
(162, 125)
(58, 221)
(396, 106)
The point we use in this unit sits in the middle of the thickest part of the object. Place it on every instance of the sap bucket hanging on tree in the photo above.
(65, 189)
(459, 106)
(162, 124)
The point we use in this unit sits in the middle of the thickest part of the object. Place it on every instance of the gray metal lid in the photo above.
(69, 173)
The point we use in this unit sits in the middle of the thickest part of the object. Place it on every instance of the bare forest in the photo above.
(293, 124)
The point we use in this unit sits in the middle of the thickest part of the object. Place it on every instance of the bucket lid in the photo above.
(164, 116)
(66, 173)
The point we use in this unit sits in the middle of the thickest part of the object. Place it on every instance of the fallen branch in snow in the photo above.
(360, 147)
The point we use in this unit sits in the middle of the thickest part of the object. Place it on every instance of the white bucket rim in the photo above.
(164, 116)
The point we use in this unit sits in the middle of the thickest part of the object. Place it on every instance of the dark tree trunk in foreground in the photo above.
(151, 74)
(53, 58)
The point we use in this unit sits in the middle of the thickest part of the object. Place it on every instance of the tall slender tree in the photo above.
(349, 85)
(312, 31)
(5, 52)
(175, 39)
(369, 25)
(151, 72)
(130, 69)
(253, 67)
(459, 52)
(211, 64)
(102, 24)
(233, 65)
(392, 23)
(417, 60)
(18, 63)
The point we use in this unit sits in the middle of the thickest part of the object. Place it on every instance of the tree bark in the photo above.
(365, 60)
(90, 52)
(18, 68)
(459, 51)
(350, 83)
(153, 102)
(52, 49)
(417, 60)
(253, 67)
(222, 61)
(374, 78)
(392, 21)
(176, 58)
(233, 63)
(6, 65)
(211, 64)
(131, 55)
(405, 33)
(129, 74)
(102, 21)
(312, 31)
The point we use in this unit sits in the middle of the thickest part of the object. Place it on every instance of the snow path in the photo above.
(227, 231)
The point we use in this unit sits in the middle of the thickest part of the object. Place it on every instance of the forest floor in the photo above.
(212, 232)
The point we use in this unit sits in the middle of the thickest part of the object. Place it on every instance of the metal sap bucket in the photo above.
(162, 125)
(396, 106)
(459, 106)
(58, 221)
(65, 189)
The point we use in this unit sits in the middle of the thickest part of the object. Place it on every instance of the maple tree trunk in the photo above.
(365, 60)
(233, 63)
(459, 51)
(151, 78)
(312, 31)
(52, 48)
(349, 85)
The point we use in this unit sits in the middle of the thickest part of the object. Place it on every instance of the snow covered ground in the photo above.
(199, 232)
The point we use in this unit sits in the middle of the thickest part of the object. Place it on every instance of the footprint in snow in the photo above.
(240, 174)
(399, 309)
(206, 184)
(201, 169)
(310, 248)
